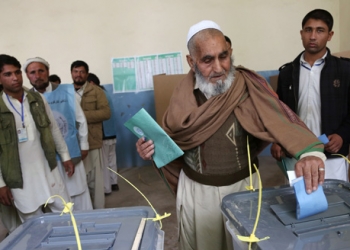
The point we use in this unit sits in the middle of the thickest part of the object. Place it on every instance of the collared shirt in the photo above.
(309, 105)
(80, 92)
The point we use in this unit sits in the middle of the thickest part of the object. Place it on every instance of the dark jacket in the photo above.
(334, 91)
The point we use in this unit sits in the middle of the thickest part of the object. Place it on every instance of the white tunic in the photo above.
(39, 182)
(76, 184)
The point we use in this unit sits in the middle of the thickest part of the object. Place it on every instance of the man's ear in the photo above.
(190, 62)
(330, 35)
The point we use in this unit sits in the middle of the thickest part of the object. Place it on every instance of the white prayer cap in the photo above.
(35, 59)
(202, 25)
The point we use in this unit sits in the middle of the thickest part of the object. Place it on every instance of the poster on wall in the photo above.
(134, 74)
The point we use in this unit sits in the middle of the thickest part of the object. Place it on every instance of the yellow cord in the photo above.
(68, 209)
(158, 217)
(343, 157)
(252, 238)
(250, 188)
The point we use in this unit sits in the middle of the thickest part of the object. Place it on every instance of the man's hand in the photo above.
(145, 148)
(335, 143)
(84, 153)
(69, 167)
(6, 197)
(312, 168)
(276, 151)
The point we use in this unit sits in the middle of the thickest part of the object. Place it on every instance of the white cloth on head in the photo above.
(35, 59)
(202, 25)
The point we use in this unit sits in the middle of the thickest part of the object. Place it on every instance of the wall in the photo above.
(344, 30)
(265, 35)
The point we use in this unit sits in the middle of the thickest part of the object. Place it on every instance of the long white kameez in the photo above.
(76, 184)
(39, 182)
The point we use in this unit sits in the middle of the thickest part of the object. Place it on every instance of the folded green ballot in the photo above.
(165, 149)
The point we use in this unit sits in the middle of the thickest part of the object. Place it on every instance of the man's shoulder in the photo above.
(285, 66)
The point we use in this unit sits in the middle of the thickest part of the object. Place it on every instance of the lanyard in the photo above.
(20, 114)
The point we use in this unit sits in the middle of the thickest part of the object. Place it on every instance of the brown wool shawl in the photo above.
(256, 107)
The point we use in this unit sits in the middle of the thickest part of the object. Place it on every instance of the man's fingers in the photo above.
(145, 148)
(312, 168)
(315, 177)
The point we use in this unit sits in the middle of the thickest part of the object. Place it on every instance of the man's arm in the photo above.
(82, 129)
(6, 197)
(102, 111)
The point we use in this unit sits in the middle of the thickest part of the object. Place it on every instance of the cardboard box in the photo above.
(273, 82)
(163, 89)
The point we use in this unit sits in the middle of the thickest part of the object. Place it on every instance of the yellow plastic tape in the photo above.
(343, 157)
(250, 188)
(158, 217)
(68, 209)
(252, 238)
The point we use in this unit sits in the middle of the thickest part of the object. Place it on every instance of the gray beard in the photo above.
(213, 89)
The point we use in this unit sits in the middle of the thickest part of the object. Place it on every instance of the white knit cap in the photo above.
(202, 25)
(35, 59)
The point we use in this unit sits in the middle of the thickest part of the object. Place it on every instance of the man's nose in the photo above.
(313, 34)
(217, 66)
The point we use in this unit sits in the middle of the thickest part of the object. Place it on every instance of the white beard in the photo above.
(213, 89)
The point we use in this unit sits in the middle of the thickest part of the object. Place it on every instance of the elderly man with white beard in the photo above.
(212, 114)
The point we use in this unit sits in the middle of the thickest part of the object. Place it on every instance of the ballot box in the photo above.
(324, 231)
(98, 229)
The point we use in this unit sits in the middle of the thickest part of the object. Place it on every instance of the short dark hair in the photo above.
(8, 60)
(54, 78)
(319, 14)
(228, 40)
(93, 78)
(79, 63)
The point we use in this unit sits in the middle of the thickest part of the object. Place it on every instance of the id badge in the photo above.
(22, 134)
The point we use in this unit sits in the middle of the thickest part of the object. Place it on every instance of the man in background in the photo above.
(55, 79)
(29, 139)
(109, 142)
(96, 109)
(316, 86)
(72, 123)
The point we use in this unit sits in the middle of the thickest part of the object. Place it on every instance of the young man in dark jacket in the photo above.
(316, 85)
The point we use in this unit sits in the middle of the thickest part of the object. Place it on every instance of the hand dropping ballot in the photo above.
(165, 149)
(308, 204)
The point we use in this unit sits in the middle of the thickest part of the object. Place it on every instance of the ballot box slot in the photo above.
(91, 234)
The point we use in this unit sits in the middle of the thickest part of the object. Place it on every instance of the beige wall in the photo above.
(344, 27)
(265, 34)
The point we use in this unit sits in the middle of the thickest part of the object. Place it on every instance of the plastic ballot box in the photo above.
(323, 231)
(98, 229)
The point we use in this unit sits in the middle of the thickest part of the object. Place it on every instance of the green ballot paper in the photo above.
(165, 149)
